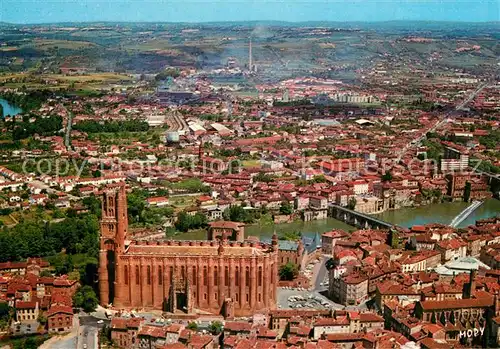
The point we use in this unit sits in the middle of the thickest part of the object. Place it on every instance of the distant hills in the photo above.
(419, 25)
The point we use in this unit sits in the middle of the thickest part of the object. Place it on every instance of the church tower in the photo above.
(114, 224)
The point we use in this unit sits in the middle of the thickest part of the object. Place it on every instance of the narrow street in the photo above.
(319, 274)
(87, 338)
(66, 341)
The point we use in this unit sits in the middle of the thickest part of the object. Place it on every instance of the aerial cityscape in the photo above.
(234, 178)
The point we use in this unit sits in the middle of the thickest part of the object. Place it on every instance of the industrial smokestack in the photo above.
(250, 64)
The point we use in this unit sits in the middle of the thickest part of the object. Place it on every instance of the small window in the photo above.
(149, 274)
(137, 275)
(160, 276)
(125, 274)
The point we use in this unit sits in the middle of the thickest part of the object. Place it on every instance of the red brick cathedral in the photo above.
(219, 276)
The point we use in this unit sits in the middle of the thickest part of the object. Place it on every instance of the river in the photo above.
(9, 109)
(440, 213)
(406, 217)
(266, 230)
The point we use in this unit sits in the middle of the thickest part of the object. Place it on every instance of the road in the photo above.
(416, 142)
(41, 185)
(66, 341)
(83, 335)
(87, 338)
(320, 274)
(89, 331)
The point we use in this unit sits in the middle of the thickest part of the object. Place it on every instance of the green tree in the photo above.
(352, 203)
(169, 72)
(5, 312)
(199, 221)
(105, 335)
(169, 232)
(319, 179)
(288, 272)
(291, 236)
(93, 126)
(42, 319)
(192, 326)
(215, 327)
(93, 204)
(136, 205)
(387, 176)
(286, 208)
(86, 299)
(186, 222)
(236, 213)
(183, 222)
(393, 238)
(262, 177)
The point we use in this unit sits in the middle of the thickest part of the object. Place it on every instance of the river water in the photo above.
(9, 109)
(406, 217)
(440, 213)
(266, 230)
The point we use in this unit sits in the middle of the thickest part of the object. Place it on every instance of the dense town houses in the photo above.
(217, 169)
(412, 294)
(40, 303)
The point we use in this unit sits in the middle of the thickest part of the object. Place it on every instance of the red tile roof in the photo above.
(482, 302)
(55, 309)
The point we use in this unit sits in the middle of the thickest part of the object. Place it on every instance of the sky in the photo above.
(53, 11)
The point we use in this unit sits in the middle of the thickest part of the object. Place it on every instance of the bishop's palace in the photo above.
(219, 276)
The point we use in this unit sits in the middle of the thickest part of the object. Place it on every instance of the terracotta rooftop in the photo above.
(457, 303)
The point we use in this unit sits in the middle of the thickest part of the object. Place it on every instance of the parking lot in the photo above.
(304, 299)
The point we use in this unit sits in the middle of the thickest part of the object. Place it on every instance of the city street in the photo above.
(87, 338)
(84, 334)
(320, 272)
(65, 341)
(312, 299)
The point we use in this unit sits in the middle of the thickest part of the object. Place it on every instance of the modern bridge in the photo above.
(462, 216)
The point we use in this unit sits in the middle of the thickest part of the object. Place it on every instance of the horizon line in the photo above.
(253, 21)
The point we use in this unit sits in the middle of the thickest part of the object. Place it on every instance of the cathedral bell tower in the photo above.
(114, 224)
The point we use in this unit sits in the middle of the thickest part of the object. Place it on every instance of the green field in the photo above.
(250, 163)
(43, 44)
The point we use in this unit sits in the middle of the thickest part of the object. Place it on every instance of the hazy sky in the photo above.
(44, 11)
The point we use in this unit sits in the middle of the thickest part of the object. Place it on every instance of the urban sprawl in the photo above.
(237, 197)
